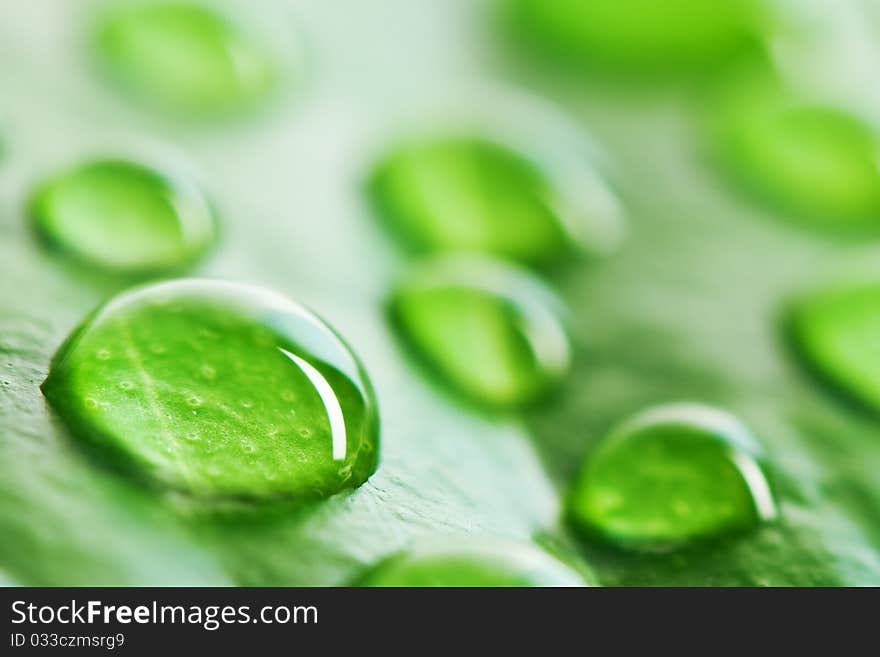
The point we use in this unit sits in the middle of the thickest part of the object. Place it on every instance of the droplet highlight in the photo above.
(669, 476)
(473, 564)
(489, 330)
(193, 433)
(184, 57)
(123, 216)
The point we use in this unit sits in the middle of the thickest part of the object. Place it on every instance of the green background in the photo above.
(686, 309)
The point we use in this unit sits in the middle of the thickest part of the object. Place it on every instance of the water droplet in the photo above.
(640, 36)
(103, 354)
(335, 403)
(835, 332)
(126, 385)
(813, 162)
(473, 563)
(247, 403)
(208, 372)
(185, 58)
(671, 475)
(469, 194)
(490, 330)
(122, 216)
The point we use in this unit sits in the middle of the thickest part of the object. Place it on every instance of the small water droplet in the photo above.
(671, 475)
(470, 194)
(185, 58)
(490, 330)
(643, 37)
(815, 163)
(122, 216)
(472, 563)
(126, 385)
(834, 332)
(247, 403)
(207, 371)
(103, 354)
(337, 411)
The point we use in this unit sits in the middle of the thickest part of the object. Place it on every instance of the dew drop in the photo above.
(185, 58)
(472, 563)
(335, 403)
(470, 194)
(491, 331)
(671, 475)
(815, 163)
(122, 216)
(644, 37)
(834, 332)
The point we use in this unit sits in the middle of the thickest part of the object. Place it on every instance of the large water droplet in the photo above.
(471, 564)
(184, 57)
(470, 194)
(642, 36)
(151, 426)
(123, 216)
(815, 162)
(836, 332)
(490, 330)
(671, 475)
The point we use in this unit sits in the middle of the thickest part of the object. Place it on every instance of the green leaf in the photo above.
(686, 310)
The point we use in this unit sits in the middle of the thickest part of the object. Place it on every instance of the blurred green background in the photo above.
(686, 307)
